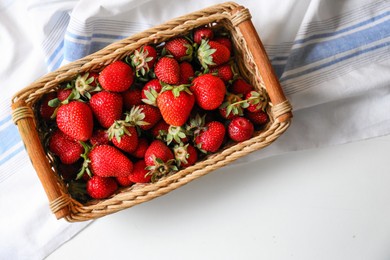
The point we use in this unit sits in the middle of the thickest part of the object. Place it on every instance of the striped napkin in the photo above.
(332, 59)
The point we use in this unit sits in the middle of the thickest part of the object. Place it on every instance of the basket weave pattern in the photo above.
(229, 15)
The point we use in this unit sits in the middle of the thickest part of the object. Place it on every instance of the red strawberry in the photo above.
(108, 161)
(159, 160)
(99, 136)
(179, 48)
(240, 129)
(107, 107)
(257, 118)
(175, 104)
(160, 130)
(158, 149)
(168, 70)
(203, 33)
(257, 101)
(212, 54)
(63, 94)
(186, 72)
(211, 138)
(123, 135)
(225, 41)
(185, 155)
(68, 150)
(143, 60)
(76, 120)
(224, 72)
(140, 174)
(45, 110)
(142, 146)
(101, 188)
(131, 97)
(124, 181)
(209, 91)
(116, 77)
(145, 116)
(150, 92)
(242, 87)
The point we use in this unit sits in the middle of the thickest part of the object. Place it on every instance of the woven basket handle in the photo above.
(23, 117)
(241, 19)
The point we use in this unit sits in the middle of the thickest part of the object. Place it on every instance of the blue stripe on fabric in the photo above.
(327, 64)
(5, 159)
(324, 35)
(54, 54)
(279, 69)
(10, 137)
(95, 35)
(5, 120)
(318, 51)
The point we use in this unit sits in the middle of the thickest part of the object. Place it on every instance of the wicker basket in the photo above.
(253, 65)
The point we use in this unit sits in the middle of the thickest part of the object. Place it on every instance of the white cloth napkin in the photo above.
(332, 58)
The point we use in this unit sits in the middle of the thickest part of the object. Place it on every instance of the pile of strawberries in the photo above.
(161, 109)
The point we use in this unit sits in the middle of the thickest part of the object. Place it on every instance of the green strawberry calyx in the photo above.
(176, 90)
(181, 154)
(161, 168)
(205, 54)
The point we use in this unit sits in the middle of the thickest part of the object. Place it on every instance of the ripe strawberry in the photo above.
(159, 160)
(101, 188)
(68, 150)
(185, 155)
(99, 136)
(175, 104)
(64, 94)
(186, 72)
(212, 54)
(140, 174)
(145, 116)
(224, 72)
(203, 33)
(131, 97)
(158, 149)
(142, 146)
(116, 77)
(240, 129)
(242, 87)
(45, 110)
(257, 118)
(124, 181)
(143, 60)
(76, 120)
(107, 107)
(226, 42)
(123, 135)
(179, 48)
(257, 100)
(168, 70)
(108, 161)
(150, 92)
(209, 91)
(211, 138)
(160, 130)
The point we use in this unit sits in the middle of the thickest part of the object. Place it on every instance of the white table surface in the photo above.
(330, 203)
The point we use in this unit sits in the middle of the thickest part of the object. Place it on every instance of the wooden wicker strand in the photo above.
(23, 117)
(281, 109)
(59, 203)
(240, 16)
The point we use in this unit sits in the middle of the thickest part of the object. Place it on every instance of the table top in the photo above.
(329, 203)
